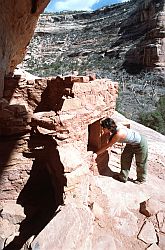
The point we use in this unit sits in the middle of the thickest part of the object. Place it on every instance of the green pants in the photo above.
(141, 154)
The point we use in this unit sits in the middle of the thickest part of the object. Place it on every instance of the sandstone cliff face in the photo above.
(125, 34)
(148, 20)
(17, 23)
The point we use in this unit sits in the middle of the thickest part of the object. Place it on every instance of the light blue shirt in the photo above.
(132, 137)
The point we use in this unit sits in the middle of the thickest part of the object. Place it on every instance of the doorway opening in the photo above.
(96, 139)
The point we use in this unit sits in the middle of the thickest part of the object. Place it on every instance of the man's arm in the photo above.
(114, 139)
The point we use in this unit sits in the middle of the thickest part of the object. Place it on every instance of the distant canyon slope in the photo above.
(114, 42)
(128, 35)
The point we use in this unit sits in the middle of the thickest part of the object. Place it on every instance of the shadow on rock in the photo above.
(43, 192)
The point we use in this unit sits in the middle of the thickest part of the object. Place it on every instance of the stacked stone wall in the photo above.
(61, 109)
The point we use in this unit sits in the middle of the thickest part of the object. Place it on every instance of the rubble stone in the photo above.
(147, 233)
(59, 232)
(161, 243)
(150, 207)
(12, 212)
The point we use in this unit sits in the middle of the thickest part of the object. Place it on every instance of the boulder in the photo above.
(12, 212)
(147, 233)
(150, 207)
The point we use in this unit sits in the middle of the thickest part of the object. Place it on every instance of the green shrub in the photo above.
(161, 106)
(155, 119)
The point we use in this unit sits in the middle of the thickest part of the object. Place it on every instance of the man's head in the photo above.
(109, 124)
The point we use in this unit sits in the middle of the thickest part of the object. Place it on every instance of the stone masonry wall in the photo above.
(62, 111)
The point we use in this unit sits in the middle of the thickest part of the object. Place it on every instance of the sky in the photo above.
(89, 5)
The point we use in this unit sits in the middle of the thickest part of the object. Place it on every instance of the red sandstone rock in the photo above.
(150, 207)
(15, 38)
(154, 247)
(81, 79)
(64, 227)
(147, 233)
(161, 243)
(12, 212)
(149, 17)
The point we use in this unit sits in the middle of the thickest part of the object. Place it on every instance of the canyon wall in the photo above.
(147, 21)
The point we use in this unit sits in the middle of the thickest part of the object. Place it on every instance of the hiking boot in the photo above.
(139, 181)
(118, 177)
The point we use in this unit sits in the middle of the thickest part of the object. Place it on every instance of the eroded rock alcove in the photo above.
(17, 23)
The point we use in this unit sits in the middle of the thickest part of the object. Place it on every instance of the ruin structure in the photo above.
(49, 131)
